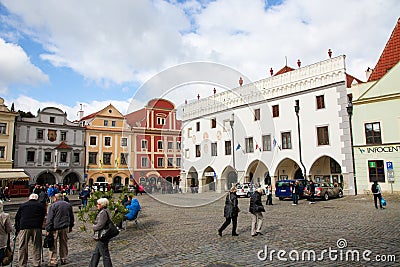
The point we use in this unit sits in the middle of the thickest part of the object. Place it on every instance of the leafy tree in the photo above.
(89, 213)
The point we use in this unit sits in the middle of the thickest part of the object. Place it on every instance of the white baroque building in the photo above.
(255, 133)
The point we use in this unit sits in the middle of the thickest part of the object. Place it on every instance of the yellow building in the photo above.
(107, 147)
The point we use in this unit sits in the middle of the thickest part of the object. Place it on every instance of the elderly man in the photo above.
(60, 220)
(28, 224)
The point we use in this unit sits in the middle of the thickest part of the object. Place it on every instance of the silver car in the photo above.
(326, 190)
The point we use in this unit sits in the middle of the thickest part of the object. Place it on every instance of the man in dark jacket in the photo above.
(256, 207)
(28, 225)
(60, 221)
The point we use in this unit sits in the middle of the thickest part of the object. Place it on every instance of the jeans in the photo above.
(101, 250)
(269, 200)
(84, 202)
(295, 198)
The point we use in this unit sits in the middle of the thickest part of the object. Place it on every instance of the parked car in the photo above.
(243, 190)
(283, 189)
(100, 186)
(326, 191)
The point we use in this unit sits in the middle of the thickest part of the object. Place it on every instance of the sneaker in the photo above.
(254, 235)
(294, 204)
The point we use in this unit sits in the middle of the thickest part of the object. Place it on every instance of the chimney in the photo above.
(368, 72)
(80, 113)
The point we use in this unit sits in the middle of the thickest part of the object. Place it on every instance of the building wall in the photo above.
(7, 119)
(325, 78)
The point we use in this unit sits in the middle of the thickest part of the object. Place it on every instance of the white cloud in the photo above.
(16, 68)
(127, 41)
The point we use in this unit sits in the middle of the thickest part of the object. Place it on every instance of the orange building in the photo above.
(156, 143)
(107, 147)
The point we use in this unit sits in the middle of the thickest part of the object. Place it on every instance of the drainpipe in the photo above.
(297, 109)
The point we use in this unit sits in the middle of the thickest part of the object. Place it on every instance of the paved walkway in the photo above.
(172, 235)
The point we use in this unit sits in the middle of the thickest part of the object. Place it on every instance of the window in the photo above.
(335, 167)
(213, 149)
(160, 162)
(266, 142)
(145, 162)
(107, 158)
(63, 136)
(178, 145)
(170, 162)
(170, 145)
(76, 157)
(63, 157)
(376, 171)
(198, 126)
(92, 157)
(323, 135)
(123, 159)
(39, 134)
(257, 114)
(213, 123)
(178, 162)
(286, 140)
(144, 144)
(113, 123)
(275, 111)
(320, 102)
(187, 154)
(105, 123)
(124, 141)
(228, 148)
(160, 144)
(47, 156)
(3, 128)
(2, 152)
(107, 141)
(93, 140)
(189, 132)
(373, 133)
(160, 121)
(249, 145)
(30, 156)
(52, 119)
(198, 153)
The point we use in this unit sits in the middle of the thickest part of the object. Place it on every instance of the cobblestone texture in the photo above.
(172, 236)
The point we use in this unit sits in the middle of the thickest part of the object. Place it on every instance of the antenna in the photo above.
(286, 61)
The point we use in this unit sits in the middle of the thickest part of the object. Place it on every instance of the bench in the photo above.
(135, 220)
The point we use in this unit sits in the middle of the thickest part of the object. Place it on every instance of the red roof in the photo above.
(89, 116)
(284, 70)
(136, 116)
(350, 79)
(390, 55)
(63, 145)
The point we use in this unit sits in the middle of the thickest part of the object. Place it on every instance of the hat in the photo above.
(34, 196)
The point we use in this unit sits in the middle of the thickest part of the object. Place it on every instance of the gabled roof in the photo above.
(390, 55)
(350, 80)
(89, 116)
(63, 145)
(136, 118)
(284, 70)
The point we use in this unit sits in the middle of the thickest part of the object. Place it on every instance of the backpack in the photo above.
(374, 188)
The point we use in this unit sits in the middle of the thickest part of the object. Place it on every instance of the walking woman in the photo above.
(100, 223)
(231, 212)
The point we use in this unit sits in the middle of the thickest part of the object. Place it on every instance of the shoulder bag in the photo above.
(110, 231)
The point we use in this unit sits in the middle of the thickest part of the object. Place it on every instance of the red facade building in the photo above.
(156, 144)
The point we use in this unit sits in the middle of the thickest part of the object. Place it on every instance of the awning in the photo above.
(13, 174)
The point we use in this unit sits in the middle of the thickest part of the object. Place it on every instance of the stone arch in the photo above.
(46, 177)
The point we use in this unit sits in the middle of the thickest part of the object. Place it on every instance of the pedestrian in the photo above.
(59, 223)
(312, 192)
(376, 190)
(84, 195)
(231, 212)
(101, 250)
(7, 194)
(5, 230)
(28, 226)
(256, 209)
(50, 193)
(295, 192)
(269, 195)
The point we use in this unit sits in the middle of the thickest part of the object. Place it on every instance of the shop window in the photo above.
(376, 171)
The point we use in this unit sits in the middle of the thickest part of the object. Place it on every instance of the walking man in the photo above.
(256, 209)
(312, 192)
(28, 225)
(60, 221)
(376, 190)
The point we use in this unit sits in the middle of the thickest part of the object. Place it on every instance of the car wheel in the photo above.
(248, 195)
(326, 196)
(340, 194)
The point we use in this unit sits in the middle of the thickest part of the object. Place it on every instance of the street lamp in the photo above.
(350, 112)
(297, 110)
(231, 122)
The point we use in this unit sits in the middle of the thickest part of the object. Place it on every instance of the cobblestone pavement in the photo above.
(169, 235)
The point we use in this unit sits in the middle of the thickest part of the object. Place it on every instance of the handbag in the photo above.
(8, 253)
(107, 233)
(48, 241)
(383, 202)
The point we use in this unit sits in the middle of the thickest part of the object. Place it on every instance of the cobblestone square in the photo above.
(170, 235)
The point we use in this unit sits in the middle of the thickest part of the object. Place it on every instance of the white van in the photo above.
(100, 186)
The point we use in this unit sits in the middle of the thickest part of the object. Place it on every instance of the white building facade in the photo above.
(254, 133)
(50, 148)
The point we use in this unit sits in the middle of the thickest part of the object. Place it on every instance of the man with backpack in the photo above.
(376, 190)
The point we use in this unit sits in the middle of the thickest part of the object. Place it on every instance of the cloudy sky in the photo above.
(96, 52)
